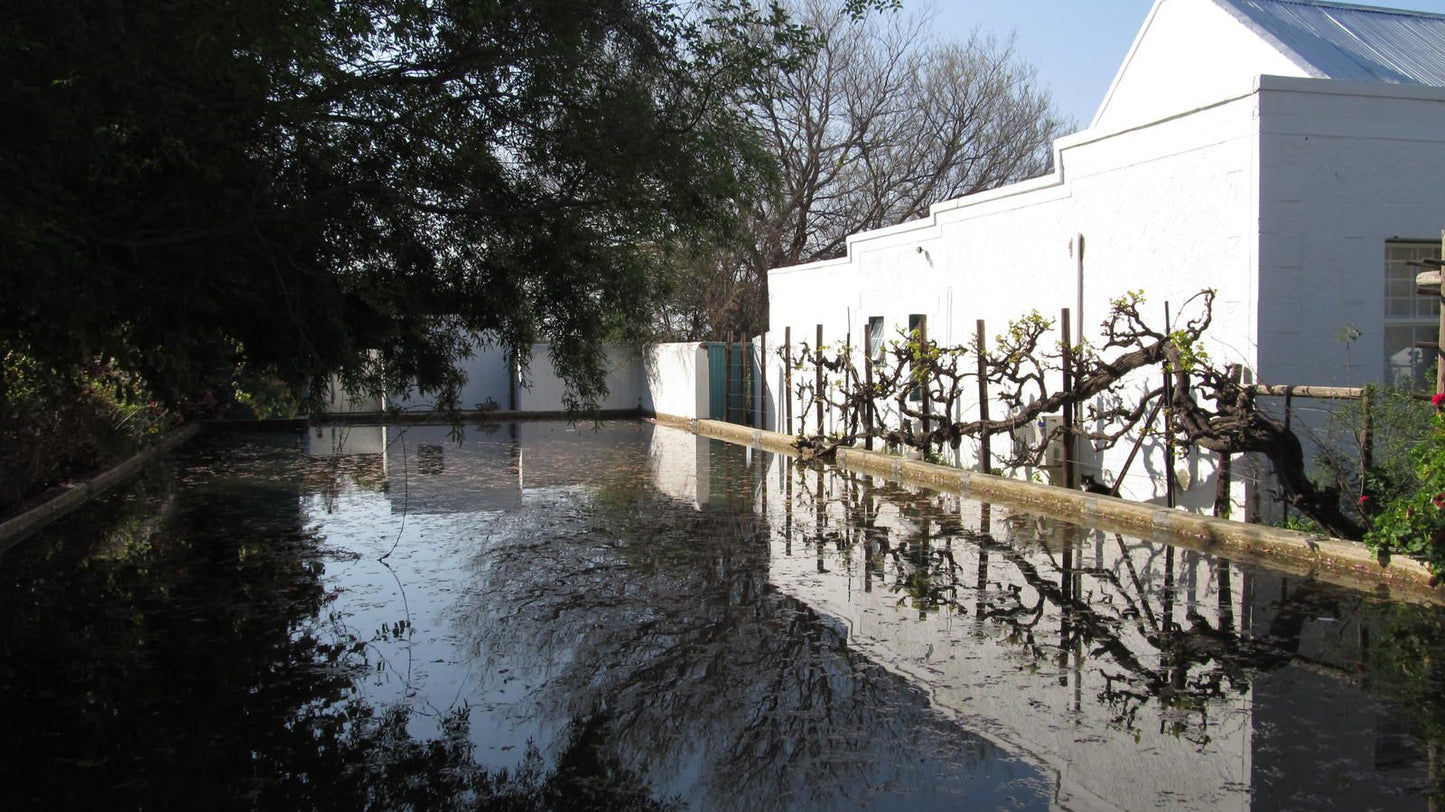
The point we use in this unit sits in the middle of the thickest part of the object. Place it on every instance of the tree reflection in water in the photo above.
(738, 695)
(781, 637)
(173, 648)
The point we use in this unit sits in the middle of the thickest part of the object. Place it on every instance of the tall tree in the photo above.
(869, 128)
(361, 185)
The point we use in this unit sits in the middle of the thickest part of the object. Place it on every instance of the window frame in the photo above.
(1402, 309)
(875, 347)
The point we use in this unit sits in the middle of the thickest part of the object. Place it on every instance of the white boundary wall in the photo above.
(546, 389)
(489, 378)
(676, 380)
(1166, 209)
(664, 378)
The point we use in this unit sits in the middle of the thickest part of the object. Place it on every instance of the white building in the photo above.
(1286, 153)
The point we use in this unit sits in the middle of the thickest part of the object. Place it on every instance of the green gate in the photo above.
(716, 379)
(732, 381)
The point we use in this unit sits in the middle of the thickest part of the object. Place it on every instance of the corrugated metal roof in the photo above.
(1355, 43)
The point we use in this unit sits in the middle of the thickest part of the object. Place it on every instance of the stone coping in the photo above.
(17, 528)
(430, 417)
(1338, 561)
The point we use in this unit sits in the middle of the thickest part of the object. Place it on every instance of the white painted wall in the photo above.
(669, 379)
(676, 380)
(1168, 209)
(339, 401)
(489, 377)
(544, 390)
(1344, 167)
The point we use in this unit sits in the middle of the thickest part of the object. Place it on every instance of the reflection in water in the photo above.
(1145, 675)
(731, 692)
(176, 647)
(631, 617)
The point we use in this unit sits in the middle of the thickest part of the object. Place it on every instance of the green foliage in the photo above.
(60, 423)
(310, 188)
(1129, 300)
(1191, 351)
(1411, 519)
(259, 395)
(1303, 524)
(1021, 335)
(57, 424)
(857, 8)
(1400, 422)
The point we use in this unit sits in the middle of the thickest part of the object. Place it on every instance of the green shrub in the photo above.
(1400, 422)
(1410, 518)
(57, 425)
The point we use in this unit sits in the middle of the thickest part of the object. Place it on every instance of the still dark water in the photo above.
(550, 617)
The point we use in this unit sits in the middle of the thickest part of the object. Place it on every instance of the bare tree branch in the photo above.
(872, 128)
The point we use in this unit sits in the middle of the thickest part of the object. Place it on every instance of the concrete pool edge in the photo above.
(17, 528)
(1338, 561)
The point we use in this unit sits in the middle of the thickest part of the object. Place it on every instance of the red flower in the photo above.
(1364, 499)
(1439, 500)
(1438, 400)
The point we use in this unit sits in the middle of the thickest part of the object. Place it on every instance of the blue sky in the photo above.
(1077, 45)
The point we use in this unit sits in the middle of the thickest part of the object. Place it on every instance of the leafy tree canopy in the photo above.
(310, 186)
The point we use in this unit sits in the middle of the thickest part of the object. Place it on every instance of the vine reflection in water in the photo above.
(636, 616)
(1146, 675)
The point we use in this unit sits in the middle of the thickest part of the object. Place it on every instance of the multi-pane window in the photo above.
(1412, 321)
(875, 348)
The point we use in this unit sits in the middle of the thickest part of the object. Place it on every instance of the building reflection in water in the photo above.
(736, 612)
(1145, 675)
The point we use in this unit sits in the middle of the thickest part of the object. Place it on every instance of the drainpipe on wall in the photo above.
(1077, 250)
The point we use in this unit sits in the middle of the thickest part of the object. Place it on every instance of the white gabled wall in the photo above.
(1188, 54)
(1201, 170)
(1281, 199)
